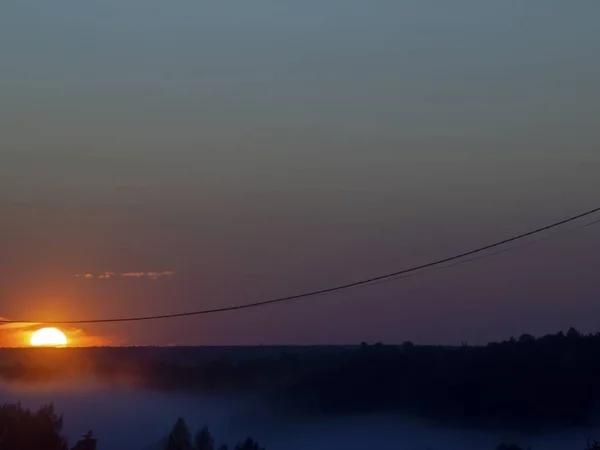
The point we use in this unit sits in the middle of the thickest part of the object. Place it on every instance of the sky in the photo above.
(157, 158)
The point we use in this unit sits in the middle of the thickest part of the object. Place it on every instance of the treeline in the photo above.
(525, 381)
(590, 446)
(528, 381)
(21, 428)
(180, 438)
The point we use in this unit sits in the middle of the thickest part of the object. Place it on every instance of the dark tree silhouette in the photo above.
(508, 447)
(573, 333)
(88, 442)
(179, 438)
(526, 338)
(593, 445)
(249, 444)
(204, 440)
(22, 429)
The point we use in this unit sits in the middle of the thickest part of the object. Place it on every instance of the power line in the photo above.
(485, 256)
(367, 281)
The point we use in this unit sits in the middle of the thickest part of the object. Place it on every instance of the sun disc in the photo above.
(48, 337)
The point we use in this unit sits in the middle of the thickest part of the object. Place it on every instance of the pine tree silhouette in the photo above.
(88, 442)
(249, 444)
(204, 440)
(22, 429)
(179, 438)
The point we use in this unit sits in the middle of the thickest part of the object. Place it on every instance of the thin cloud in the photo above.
(16, 325)
(153, 275)
(106, 275)
(80, 338)
(134, 274)
(159, 275)
(16, 334)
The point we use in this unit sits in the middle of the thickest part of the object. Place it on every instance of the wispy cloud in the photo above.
(16, 325)
(153, 275)
(106, 275)
(134, 274)
(16, 334)
(158, 275)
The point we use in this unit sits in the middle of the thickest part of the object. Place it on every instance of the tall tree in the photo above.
(179, 438)
(22, 429)
(249, 444)
(204, 440)
(88, 442)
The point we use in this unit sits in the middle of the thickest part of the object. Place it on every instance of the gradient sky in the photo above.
(259, 149)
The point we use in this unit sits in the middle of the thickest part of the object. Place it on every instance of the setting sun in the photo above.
(48, 337)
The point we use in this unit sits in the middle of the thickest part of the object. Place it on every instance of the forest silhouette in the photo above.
(523, 382)
(22, 429)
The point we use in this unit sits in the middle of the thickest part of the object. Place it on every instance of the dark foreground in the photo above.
(546, 382)
(21, 429)
(526, 382)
